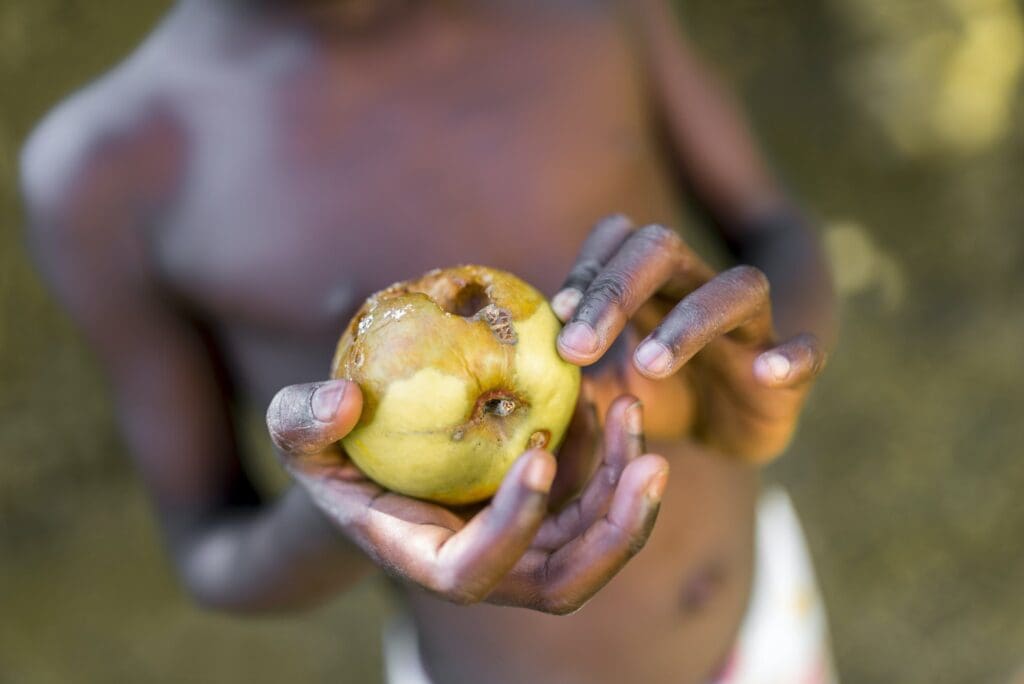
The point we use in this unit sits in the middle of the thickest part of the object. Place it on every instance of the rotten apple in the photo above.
(460, 375)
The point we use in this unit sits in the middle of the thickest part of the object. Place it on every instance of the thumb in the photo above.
(304, 419)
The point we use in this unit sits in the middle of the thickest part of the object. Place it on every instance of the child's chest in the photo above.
(473, 141)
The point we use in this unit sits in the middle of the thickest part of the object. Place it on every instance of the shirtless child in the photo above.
(213, 210)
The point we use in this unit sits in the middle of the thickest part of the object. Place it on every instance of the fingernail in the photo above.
(656, 487)
(539, 474)
(565, 302)
(654, 357)
(778, 366)
(327, 399)
(580, 338)
(635, 419)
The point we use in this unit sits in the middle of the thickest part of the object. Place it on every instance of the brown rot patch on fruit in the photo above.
(539, 440)
(499, 321)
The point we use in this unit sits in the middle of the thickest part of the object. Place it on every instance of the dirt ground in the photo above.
(898, 123)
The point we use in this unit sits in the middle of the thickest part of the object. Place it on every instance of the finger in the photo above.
(305, 419)
(604, 240)
(733, 301)
(623, 442)
(792, 363)
(465, 566)
(648, 260)
(577, 455)
(562, 581)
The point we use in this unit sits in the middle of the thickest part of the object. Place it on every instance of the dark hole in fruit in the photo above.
(500, 407)
(470, 299)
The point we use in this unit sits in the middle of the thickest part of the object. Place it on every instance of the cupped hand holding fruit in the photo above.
(450, 387)
(513, 551)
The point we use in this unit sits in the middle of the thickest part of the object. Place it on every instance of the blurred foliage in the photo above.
(940, 76)
(898, 122)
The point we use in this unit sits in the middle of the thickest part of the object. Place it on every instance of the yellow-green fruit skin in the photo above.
(460, 375)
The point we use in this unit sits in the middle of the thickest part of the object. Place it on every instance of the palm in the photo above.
(562, 560)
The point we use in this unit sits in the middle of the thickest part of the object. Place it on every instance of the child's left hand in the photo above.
(735, 387)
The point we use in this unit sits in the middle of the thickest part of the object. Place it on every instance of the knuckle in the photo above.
(290, 421)
(633, 539)
(811, 343)
(295, 440)
(611, 288)
(282, 440)
(461, 598)
(818, 356)
(635, 543)
(751, 278)
(612, 225)
(274, 411)
(660, 236)
(806, 350)
(280, 432)
(560, 604)
(454, 589)
(583, 273)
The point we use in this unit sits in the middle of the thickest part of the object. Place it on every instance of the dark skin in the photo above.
(214, 210)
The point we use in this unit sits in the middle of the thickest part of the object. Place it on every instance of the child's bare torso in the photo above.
(302, 172)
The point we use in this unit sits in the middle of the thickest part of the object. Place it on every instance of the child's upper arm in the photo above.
(711, 137)
(90, 193)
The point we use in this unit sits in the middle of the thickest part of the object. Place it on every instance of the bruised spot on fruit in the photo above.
(539, 440)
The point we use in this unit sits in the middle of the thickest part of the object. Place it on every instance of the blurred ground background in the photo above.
(899, 122)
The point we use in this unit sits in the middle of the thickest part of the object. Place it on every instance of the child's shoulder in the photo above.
(111, 140)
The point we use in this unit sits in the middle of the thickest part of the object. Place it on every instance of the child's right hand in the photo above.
(511, 552)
